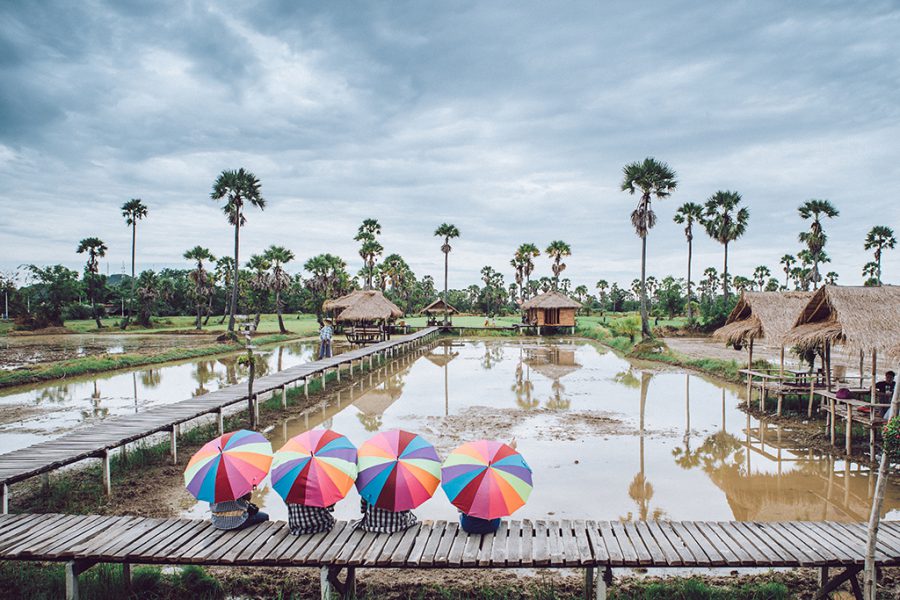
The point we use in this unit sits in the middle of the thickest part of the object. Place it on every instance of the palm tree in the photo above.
(788, 261)
(95, 249)
(870, 272)
(815, 238)
(527, 253)
(280, 280)
(652, 178)
(260, 280)
(202, 283)
(831, 278)
(134, 210)
(370, 248)
(725, 222)
(602, 287)
(760, 274)
(328, 275)
(879, 238)
(688, 214)
(237, 187)
(448, 232)
(557, 250)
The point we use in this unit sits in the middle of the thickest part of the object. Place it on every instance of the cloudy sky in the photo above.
(510, 119)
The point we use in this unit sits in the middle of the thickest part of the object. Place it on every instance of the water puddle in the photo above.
(607, 439)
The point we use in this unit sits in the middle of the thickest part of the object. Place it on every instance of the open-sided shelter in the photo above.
(368, 313)
(437, 309)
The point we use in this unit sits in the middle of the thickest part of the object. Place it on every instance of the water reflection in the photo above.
(551, 362)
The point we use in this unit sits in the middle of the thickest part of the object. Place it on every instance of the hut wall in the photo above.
(567, 317)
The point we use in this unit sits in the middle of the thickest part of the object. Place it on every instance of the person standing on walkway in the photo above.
(325, 335)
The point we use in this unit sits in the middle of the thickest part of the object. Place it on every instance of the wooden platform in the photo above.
(86, 540)
(98, 440)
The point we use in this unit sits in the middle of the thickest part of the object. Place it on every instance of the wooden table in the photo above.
(845, 408)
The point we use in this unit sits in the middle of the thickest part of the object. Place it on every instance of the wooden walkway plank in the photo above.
(420, 543)
(329, 555)
(785, 546)
(471, 549)
(401, 553)
(487, 548)
(438, 530)
(777, 556)
(442, 553)
(672, 558)
(636, 555)
(755, 555)
(540, 550)
(362, 549)
(607, 541)
(63, 543)
(657, 556)
(703, 556)
(501, 543)
(728, 548)
(555, 544)
(583, 543)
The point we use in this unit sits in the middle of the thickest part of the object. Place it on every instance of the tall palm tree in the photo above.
(280, 280)
(787, 261)
(557, 250)
(602, 288)
(688, 214)
(760, 274)
(95, 249)
(237, 188)
(448, 232)
(202, 282)
(725, 222)
(652, 178)
(370, 248)
(260, 280)
(879, 238)
(134, 210)
(815, 238)
(527, 252)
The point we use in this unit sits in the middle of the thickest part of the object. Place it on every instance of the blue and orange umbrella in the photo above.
(229, 466)
(398, 470)
(486, 479)
(315, 468)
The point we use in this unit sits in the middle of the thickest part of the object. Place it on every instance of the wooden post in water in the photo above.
(828, 365)
(4, 499)
(284, 396)
(173, 444)
(750, 372)
(107, 478)
(220, 421)
(781, 387)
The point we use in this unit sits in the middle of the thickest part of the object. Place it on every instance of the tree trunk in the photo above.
(689, 308)
(227, 308)
(208, 308)
(237, 267)
(645, 324)
(94, 310)
(199, 315)
(281, 327)
(127, 317)
(725, 275)
(879, 268)
(875, 516)
(446, 259)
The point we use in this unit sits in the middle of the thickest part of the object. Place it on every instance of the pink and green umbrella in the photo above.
(315, 468)
(229, 466)
(398, 470)
(486, 479)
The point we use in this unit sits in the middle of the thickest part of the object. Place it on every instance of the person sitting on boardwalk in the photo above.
(380, 520)
(325, 335)
(476, 525)
(236, 514)
(310, 519)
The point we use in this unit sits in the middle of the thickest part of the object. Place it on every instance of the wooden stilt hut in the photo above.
(767, 317)
(367, 316)
(550, 311)
(435, 312)
(861, 319)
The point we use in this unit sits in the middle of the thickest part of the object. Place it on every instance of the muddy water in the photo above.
(41, 412)
(607, 439)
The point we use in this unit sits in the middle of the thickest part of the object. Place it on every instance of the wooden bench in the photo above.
(83, 541)
(365, 335)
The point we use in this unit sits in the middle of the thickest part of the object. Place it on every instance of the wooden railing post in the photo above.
(107, 476)
(173, 444)
(4, 499)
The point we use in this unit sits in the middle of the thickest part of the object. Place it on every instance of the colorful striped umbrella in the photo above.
(315, 468)
(229, 466)
(486, 479)
(398, 470)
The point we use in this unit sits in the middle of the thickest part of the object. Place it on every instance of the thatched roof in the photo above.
(441, 360)
(344, 301)
(550, 300)
(437, 307)
(375, 402)
(370, 305)
(860, 318)
(552, 363)
(762, 315)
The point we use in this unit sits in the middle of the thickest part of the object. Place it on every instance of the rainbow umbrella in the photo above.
(315, 468)
(486, 479)
(398, 470)
(229, 466)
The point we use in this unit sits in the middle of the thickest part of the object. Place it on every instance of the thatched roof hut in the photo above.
(339, 304)
(863, 319)
(437, 308)
(762, 315)
(550, 300)
(370, 305)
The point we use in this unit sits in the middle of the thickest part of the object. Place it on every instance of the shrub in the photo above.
(78, 312)
(892, 439)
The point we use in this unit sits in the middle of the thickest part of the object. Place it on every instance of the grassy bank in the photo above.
(102, 363)
(301, 324)
(611, 336)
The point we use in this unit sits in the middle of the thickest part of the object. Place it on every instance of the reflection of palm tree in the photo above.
(151, 378)
(230, 364)
(56, 393)
(280, 358)
(203, 374)
(369, 422)
(718, 452)
(493, 353)
(641, 490)
(557, 402)
(627, 378)
(523, 387)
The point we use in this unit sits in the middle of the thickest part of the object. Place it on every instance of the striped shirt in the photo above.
(379, 520)
(229, 515)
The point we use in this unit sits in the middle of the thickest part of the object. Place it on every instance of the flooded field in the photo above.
(607, 439)
(36, 413)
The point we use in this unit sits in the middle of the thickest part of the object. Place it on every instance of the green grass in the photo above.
(467, 321)
(110, 362)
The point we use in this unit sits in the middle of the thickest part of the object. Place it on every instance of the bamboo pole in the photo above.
(869, 582)
(750, 372)
(828, 365)
(781, 387)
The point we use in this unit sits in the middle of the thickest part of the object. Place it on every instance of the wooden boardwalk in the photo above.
(97, 441)
(83, 541)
